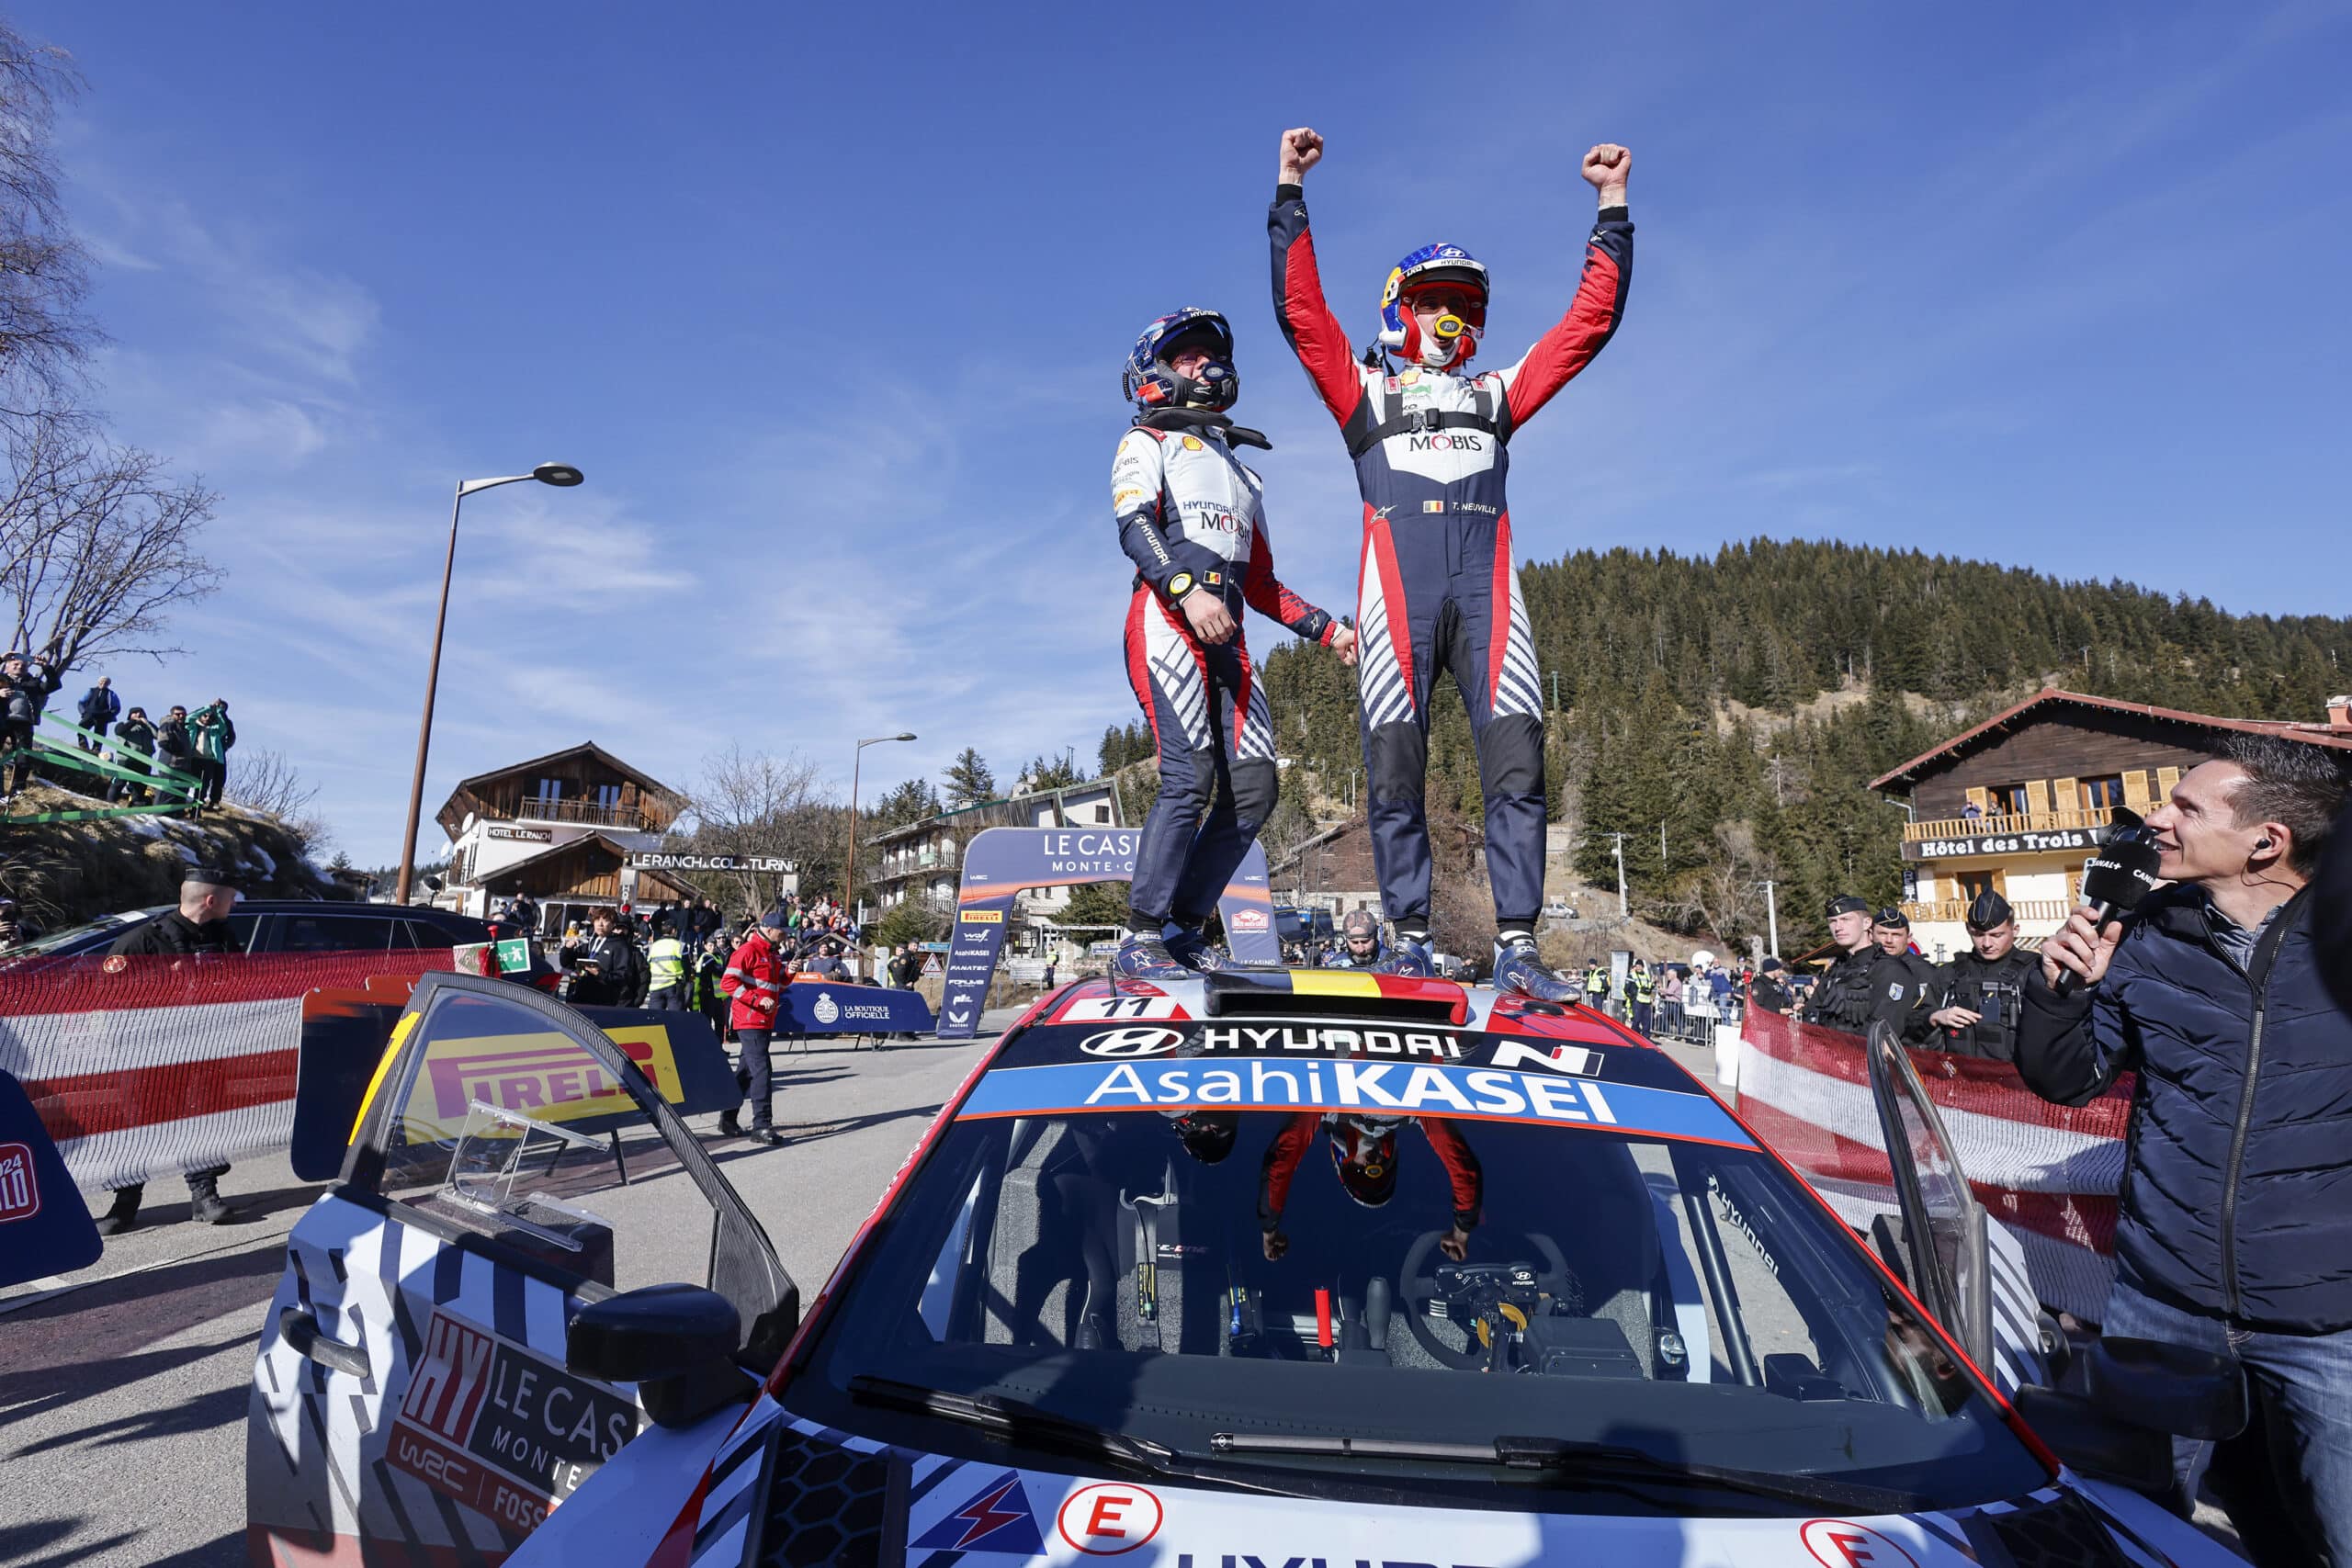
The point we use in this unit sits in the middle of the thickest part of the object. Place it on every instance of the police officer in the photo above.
(1596, 987)
(1975, 1005)
(665, 960)
(1845, 998)
(1641, 990)
(1904, 980)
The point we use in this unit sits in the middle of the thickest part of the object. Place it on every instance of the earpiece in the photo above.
(2262, 843)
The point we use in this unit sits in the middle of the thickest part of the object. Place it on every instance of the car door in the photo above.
(1966, 1269)
(411, 1399)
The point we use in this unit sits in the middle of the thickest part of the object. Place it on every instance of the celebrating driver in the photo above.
(1191, 517)
(1436, 588)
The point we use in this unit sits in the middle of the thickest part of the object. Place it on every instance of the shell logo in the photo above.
(1191, 443)
(827, 1009)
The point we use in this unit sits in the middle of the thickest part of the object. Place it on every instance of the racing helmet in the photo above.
(1148, 382)
(1455, 341)
(1207, 1136)
(1363, 1153)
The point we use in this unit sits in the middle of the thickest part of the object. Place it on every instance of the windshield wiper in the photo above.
(1613, 1462)
(1013, 1420)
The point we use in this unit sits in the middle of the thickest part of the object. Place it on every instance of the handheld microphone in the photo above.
(2115, 879)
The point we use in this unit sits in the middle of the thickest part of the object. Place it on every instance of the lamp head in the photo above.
(563, 476)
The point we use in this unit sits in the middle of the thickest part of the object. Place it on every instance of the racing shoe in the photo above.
(1408, 958)
(1518, 968)
(1143, 956)
(1196, 952)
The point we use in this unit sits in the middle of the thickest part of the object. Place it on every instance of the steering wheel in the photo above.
(1418, 1285)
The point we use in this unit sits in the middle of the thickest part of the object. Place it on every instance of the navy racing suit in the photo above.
(1436, 587)
(1186, 505)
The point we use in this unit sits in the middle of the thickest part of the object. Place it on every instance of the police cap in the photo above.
(1846, 904)
(1892, 919)
(1990, 909)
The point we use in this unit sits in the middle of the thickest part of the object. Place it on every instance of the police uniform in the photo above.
(1905, 984)
(1868, 985)
(1990, 989)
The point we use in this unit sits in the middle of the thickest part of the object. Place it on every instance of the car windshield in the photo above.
(1243, 1260)
(56, 941)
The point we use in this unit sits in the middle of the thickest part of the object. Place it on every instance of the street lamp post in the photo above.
(1773, 919)
(849, 883)
(562, 476)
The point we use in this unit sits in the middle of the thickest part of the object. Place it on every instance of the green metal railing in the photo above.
(174, 792)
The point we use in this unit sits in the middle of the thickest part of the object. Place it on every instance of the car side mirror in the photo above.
(2169, 1388)
(676, 1343)
(2092, 1442)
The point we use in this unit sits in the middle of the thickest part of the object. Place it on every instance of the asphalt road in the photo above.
(123, 1388)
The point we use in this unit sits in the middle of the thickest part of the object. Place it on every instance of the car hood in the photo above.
(854, 1500)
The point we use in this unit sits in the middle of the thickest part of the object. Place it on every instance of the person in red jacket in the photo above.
(755, 979)
(1363, 1155)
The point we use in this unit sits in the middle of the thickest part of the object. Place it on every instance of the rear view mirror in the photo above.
(2169, 1388)
(675, 1342)
(2092, 1442)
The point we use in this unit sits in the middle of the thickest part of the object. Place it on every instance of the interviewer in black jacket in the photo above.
(608, 969)
(2235, 1234)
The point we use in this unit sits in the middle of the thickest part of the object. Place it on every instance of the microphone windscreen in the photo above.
(2121, 873)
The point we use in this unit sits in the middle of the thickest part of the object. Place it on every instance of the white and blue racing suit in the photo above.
(1186, 504)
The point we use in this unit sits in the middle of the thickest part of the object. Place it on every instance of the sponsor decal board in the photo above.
(823, 1007)
(1000, 862)
(500, 1430)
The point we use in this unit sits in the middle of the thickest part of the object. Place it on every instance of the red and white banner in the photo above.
(150, 1066)
(2048, 1172)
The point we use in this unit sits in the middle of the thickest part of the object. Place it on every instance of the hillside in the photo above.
(1740, 703)
(66, 872)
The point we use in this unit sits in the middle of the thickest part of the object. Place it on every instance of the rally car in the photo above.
(1263, 1268)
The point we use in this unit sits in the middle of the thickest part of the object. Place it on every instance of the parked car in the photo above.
(1545, 1299)
(296, 925)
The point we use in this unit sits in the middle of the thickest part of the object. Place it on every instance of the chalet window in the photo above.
(609, 796)
(548, 791)
(2100, 793)
(2005, 800)
(1102, 814)
(1975, 884)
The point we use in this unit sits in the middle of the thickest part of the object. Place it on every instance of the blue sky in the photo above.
(830, 309)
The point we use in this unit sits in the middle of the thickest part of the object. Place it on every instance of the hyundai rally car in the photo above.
(1272, 1268)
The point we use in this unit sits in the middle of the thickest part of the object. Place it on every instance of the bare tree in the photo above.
(755, 803)
(45, 336)
(268, 784)
(97, 542)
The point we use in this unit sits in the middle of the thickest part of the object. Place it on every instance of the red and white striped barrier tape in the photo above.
(148, 1066)
(2048, 1172)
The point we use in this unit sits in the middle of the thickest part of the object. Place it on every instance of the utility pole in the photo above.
(1772, 919)
(1661, 845)
(1618, 848)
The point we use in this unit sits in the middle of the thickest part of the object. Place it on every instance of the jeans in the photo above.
(751, 1075)
(2286, 1481)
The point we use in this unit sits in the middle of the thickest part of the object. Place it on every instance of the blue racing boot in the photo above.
(1408, 958)
(1518, 968)
(1196, 952)
(1146, 957)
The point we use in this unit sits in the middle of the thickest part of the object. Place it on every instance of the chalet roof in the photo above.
(587, 747)
(2048, 702)
(586, 840)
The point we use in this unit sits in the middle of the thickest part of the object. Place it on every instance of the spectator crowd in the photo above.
(195, 744)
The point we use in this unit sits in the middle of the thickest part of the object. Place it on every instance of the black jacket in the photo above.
(2237, 1180)
(1991, 990)
(176, 933)
(140, 735)
(173, 747)
(620, 976)
(1869, 985)
(99, 705)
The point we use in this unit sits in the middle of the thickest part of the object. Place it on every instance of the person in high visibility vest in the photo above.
(666, 958)
(1596, 987)
(1641, 990)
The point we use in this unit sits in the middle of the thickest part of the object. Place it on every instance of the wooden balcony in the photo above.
(2010, 823)
(588, 813)
(2027, 911)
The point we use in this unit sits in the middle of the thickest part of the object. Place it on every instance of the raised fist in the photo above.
(1302, 149)
(1605, 168)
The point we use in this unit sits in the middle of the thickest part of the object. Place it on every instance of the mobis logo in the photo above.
(1447, 441)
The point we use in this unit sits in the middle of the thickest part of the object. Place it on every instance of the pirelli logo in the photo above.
(547, 1076)
(983, 917)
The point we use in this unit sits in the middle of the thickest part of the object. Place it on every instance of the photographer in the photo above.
(2236, 1229)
